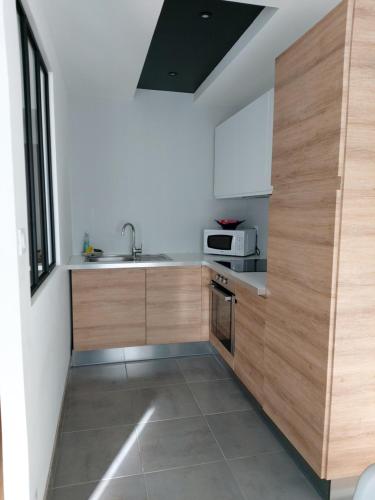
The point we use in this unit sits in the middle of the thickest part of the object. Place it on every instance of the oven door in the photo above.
(222, 315)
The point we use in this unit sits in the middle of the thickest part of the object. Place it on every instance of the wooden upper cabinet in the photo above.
(174, 304)
(249, 340)
(319, 335)
(108, 308)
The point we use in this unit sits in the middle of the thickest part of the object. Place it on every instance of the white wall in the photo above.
(148, 161)
(35, 333)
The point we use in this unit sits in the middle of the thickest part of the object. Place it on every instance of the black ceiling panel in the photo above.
(190, 39)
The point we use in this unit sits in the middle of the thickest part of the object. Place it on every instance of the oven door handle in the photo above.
(222, 294)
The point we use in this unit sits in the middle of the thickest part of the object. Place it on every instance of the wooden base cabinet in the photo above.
(249, 340)
(108, 308)
(319, 383)
(174, 305)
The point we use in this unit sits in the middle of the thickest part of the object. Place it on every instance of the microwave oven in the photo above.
(238, 243)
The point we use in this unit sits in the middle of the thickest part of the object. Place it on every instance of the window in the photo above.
(37, 141)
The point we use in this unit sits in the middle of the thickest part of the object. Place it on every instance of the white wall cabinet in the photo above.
(243, 151)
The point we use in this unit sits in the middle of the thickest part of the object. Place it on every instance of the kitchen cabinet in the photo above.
(249, 340)
(319, 353)
(108, 308)
(174, 304)
(243, 151)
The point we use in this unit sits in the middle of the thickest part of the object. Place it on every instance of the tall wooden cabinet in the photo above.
(319, 384)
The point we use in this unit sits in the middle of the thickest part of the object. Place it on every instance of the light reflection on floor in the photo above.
(115, 465)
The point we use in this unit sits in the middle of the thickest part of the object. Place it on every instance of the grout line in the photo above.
(96, 481)
(221, 450)
(242, 410)
(179, 467)
(146, 487)
(129, 389)
(134, 424)
(90, 429)
(139, 474)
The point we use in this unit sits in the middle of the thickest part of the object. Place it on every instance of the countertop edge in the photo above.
(248, 279)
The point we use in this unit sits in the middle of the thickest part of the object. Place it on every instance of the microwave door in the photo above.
(220, 242)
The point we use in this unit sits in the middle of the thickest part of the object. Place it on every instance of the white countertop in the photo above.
(253, 280)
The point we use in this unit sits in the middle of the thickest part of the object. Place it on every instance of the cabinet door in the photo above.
(108, 308)
(174, 305)
(243, 151)
(302, 230)
(249, 340)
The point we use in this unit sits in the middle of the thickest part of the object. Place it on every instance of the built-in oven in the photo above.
(222, 305)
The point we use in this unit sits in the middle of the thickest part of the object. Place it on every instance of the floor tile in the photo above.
(127, 488)
(272, 476)
(242, 434)
(100, 409)
(203, 368)
(94, 455)
(175, 443)
(204, 482)
(153, 373)
(220, 396)
(97, 378)
(160, 403)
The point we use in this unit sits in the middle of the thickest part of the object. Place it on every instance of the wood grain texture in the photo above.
(108, 308)
(351, 445)
(207, 276)
(174, 305)
(303, 224)
(249, 340)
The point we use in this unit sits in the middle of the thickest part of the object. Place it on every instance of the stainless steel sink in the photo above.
(115, 258)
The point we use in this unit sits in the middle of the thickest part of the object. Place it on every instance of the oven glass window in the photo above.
(220, 241)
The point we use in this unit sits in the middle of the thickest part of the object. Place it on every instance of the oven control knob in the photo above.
(225, 281)
(217, 277)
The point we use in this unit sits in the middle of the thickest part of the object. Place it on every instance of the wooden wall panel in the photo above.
(352, 428)
(108, 308)
(207, 276)
(303, 226)
(249, 352)
(174, 305)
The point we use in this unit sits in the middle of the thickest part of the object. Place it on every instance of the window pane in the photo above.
(46, 166)
(35, 152)
(24, 131)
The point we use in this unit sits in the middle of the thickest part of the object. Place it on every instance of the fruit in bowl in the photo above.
(229, 223)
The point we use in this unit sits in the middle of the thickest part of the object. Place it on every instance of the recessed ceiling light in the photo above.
(206, 14)
(172, 73)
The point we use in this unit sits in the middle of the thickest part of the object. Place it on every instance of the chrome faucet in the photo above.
(135, 250)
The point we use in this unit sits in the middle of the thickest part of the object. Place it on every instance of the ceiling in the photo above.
(248, 69)
(102, 47)
(190, 39)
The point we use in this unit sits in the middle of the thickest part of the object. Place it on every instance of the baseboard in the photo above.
(57, 434)
(141, 353)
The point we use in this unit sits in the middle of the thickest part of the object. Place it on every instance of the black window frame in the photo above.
(44, 166)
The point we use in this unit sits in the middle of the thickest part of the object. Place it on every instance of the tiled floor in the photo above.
(170, 429)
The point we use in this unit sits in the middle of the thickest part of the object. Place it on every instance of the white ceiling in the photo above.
(102, 46)
(248, 69)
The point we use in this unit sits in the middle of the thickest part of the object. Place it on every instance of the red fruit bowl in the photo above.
(229, 223)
